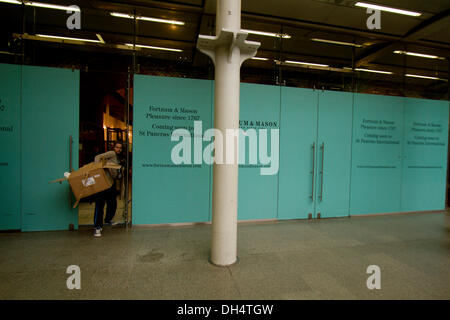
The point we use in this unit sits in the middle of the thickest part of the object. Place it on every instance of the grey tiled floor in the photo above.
(321, 259)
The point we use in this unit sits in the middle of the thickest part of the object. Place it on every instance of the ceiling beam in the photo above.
(435, 24)
(145, 5)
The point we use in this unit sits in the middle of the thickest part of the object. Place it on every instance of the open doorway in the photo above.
(106, 117)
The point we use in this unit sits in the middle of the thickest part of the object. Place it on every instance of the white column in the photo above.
(228, 49)
(226, 116)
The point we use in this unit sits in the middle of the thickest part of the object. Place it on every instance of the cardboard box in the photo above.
(90, 179)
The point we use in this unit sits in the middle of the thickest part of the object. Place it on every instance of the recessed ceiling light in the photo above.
(153, 47)
(421, 55)
(388, 9)
(42, 5)
(337, 42)
(268, 34)
(130, 16)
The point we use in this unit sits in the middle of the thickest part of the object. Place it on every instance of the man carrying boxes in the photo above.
(109, 195)
(97, 178)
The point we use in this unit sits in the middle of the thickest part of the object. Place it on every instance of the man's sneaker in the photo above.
(97, 233)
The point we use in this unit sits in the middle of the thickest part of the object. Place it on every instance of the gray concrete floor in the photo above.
(321, 259)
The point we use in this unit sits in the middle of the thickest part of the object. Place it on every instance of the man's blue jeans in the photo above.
(107, 196)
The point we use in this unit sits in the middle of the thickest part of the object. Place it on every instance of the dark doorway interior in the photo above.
(104, 114)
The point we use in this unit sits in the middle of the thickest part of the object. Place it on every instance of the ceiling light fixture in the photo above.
(130, 16)
(307, 63)
(42, 5)
(423, 77)
(370, 70)
(268, 34)
(373, 71)
(388, 9)
(68, 38)
(259, 58)
(11, 1)
(337, 42)
(153, 47)
(421, 55)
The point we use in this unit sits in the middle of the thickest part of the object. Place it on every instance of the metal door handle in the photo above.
(70, 168)
(322, 172)
(313, 169)
(70, 153)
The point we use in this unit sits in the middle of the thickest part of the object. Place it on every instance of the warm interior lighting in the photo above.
(421, 55)
(268, 34)
(388, 9)
(337, 42)
(130, 16)
(307, 63)
(67, 38)
(153, 47)
(42, 5)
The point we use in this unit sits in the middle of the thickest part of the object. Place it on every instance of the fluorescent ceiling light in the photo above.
(307, 63)
(11, 1)
(51, 6)
(259, 58)
(154, 48)
(423, 77)
(388, 9)
(68, 38)
(268, 34)
(42, 5)
(337, 42)
(415, 54)
(374, 71)
(130, 16)
(370, 70)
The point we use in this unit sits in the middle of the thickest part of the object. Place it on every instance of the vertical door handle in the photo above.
(70, 153)
(322, 172)
(70, 168)
(313, 169)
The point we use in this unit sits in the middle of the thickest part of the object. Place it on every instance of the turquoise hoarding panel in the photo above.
(362, 176)
(50, 108)
(9, 142)
(258, 193)
(297, 156)
(377, 154)
(164, 192)
(425, 155)
(334, 154)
